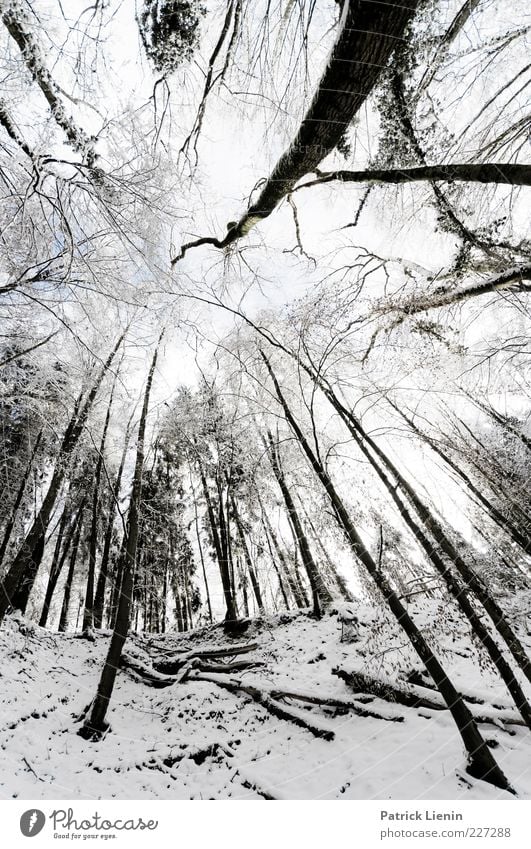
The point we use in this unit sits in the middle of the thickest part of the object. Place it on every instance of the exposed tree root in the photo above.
(174, 664)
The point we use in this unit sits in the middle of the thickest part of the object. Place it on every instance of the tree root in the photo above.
(174, 664)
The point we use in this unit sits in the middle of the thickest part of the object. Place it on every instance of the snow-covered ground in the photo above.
(195, 740)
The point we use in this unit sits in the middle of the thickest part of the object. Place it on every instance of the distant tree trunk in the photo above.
(201, 556)
(88, 611)
(34, 537)
(18, 499)
(481, 763)
(300, 599)
(245, 548)
(99, 598)
(63, 620)
(58, 560)
(221, 556)
(334, 574)
(95, 722)
(320, 592)
(163, 606)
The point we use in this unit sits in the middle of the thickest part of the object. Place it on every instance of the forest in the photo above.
(265, 423)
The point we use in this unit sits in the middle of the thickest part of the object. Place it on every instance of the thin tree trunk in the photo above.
(320, 592)
(481, 763)
(432, 524)
(456, 589)
(521, 539)
(334, 574)
(300, 600)
(201, 556)
(95, 722)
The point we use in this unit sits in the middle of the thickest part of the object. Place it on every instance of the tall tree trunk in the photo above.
(201, 557)
(246, 553)
(455, 587)
(88, 610)
(320, 592)
(95, 722)
(18, 499)
(58, 559)
(300, 599)
(431, 523)
(37, 531)
(99, 597)
(334, 574)
(520, 537)
(481, 763)
(63, 619)
(224, 569)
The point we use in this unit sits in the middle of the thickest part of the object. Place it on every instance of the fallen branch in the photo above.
(265, 699)
(409, 696)
(325, 701)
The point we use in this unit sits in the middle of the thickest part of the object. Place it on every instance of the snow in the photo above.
(195, 740)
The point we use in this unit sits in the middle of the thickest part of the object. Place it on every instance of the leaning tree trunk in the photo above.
(367, 37)
(95, 723)
(431, 523)
(455, 587)
(320, 592)
(471, 579)
(481, 763)
(521, 538)
(300, 600)
(334, 574)
(35, 535)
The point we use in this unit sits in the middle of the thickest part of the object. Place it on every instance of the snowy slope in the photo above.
(195, 740)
